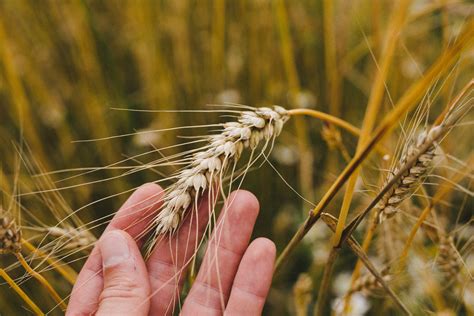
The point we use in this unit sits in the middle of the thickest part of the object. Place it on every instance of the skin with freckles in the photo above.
(234, 277)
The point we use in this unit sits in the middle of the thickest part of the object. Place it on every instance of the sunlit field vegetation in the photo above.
(367, 191)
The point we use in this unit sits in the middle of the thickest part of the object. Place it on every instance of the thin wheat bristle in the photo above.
(208, 167)
(10, 236)
(449, 261)
(405, 186)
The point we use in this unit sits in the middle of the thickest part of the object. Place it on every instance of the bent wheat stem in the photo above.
(67, 272)
(20, 292)
(41, 280)
(327, 118)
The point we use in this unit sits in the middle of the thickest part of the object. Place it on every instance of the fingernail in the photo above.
(114, 249)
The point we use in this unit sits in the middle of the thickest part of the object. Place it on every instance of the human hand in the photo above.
(234, 277)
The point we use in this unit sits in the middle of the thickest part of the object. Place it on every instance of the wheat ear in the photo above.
(409, 181)
(10, 242)
(449, 260)
(209, 167)
(10, 236)
(369, 283)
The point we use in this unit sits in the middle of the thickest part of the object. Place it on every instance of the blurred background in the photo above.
(66, 65)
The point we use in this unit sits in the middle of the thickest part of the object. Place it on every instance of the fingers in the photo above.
(126, 287)
(133, 217)
(211, 289)
(253, 279)
(167, 264)
(138, 211)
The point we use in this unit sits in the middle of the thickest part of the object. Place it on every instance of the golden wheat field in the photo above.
(350, 121)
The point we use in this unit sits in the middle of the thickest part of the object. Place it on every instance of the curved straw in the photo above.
(327, 118)
(21, 293)
(41, 280)
(68, 273)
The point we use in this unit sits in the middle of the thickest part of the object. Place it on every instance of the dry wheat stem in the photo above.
(419, 160)
(10, 242)
(42, 281)
(208, 167)
(331, 222)
(407, 101)
(65, 270)
(20, 292)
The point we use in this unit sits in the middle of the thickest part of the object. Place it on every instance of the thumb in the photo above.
(126, 287)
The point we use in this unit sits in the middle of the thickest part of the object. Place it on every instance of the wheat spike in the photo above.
(208, 167)
(406, 185)
(449, 261)
(368, 283)
(75, 238)
(10, 236)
